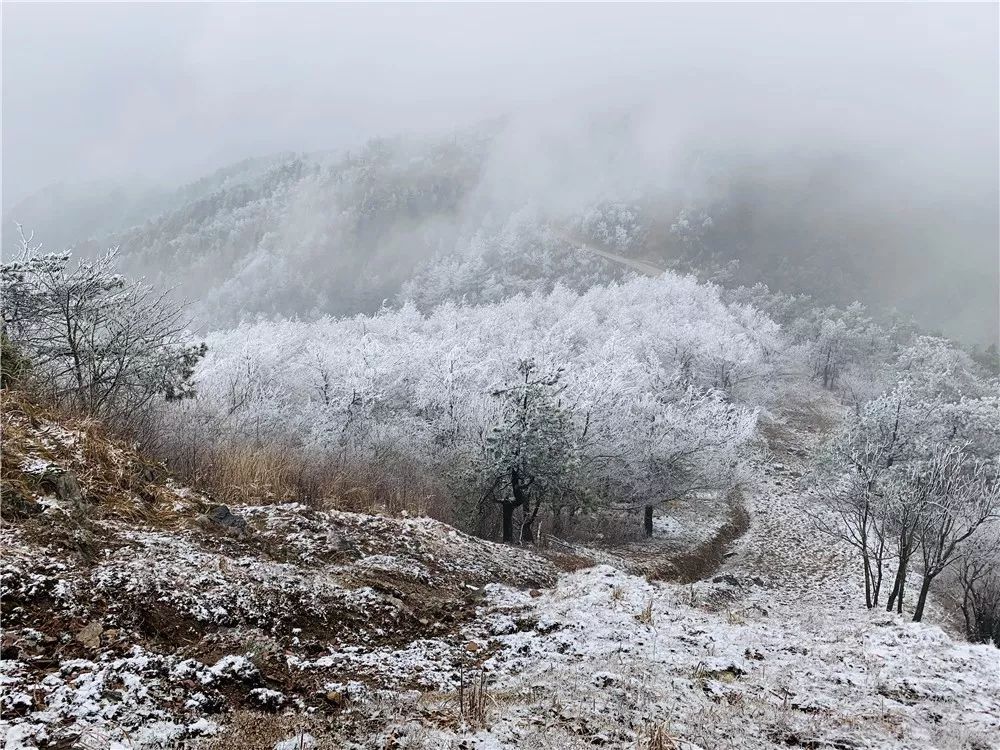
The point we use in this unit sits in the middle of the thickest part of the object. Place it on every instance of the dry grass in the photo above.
(566, 561)
(244, 475)
(115, 480)
(256, 474)
(658, 737)
(646, 615)
(473, 697)
(246, 730)
(608, 527)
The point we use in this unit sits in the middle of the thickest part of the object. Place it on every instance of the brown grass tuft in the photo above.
(114, 479)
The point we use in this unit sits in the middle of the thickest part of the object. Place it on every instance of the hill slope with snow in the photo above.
(140, 613)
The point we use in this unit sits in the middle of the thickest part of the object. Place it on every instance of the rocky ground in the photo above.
(138, 613)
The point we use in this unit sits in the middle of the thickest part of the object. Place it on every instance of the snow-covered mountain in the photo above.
(474, 216)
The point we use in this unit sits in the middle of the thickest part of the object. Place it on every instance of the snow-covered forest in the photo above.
(559, 426)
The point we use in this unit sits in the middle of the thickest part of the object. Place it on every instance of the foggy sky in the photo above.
(168, 92)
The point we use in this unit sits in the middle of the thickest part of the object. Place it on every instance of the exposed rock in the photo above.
(8, 651)
(221, 515)
(65, 485)
(269, 700)
(90, 635)
(220, 518)
(729, 580)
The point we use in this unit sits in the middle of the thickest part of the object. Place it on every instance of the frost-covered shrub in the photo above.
(97, 341)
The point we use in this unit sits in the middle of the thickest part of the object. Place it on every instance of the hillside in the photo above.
(299, 235)
(511, 376)
(140, 613)
(138, 609)
(456, 218)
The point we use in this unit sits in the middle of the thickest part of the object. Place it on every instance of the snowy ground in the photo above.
(774, 650)
(778, 652)
(286, 627)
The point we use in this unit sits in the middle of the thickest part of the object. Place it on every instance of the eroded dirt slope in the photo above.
(139, 611)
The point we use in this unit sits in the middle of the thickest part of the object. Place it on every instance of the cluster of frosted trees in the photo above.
(911, 481)
(524, 255)
(550, 403)
(635, 394)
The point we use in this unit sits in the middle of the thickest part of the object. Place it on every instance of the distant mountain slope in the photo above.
(309, 234)
(67, 215)
(470, 216)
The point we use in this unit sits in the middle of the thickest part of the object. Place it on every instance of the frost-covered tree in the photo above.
(674, 444)
(977, 581)
(616, 226)
(855, 470)
(962, 494)
(530, 453)
(96, 340)
(881, 473)
(525, 255)
(402, 383)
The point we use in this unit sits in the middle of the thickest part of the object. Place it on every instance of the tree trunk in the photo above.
(509, 506)
(508, 520)
(877, 581)
(648, 520)
(925, 587)
(902, 585)
(528, 521)
(527, 531)
(868, 579)
(899, 584)
(557, 521)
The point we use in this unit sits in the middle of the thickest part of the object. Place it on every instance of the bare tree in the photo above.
(854, 511)
(963, 493)
(977, 578)
(858, 501)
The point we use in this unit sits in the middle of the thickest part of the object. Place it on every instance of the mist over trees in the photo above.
(435, 218)
(508, 375)
(544, 407)
(559, 311)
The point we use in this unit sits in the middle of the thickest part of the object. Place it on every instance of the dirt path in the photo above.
(690, 541)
